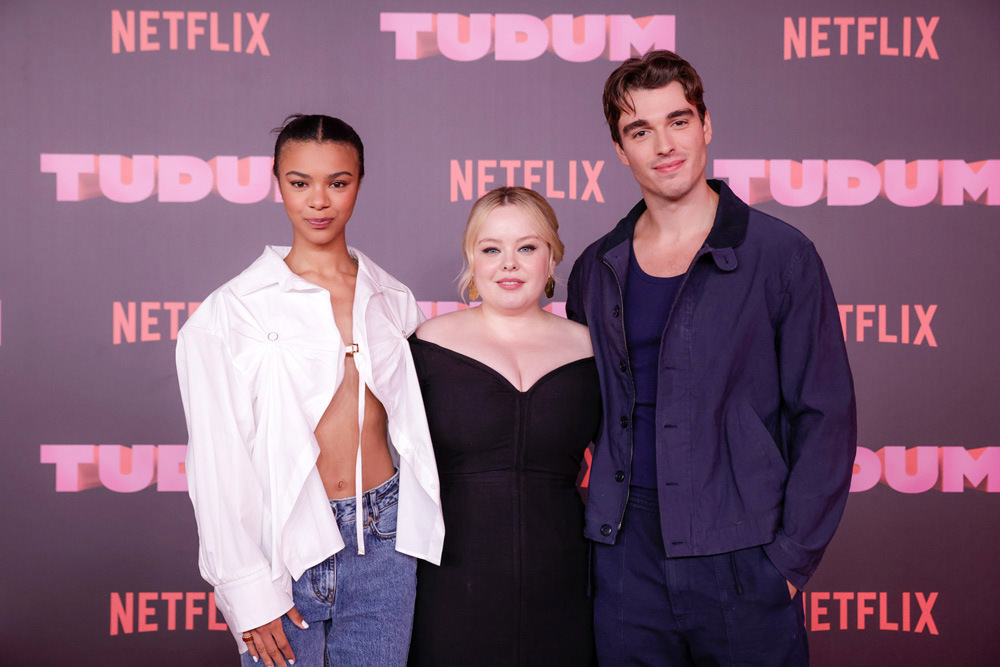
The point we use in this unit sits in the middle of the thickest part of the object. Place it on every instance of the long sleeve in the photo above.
(819, 413)
(574, 293)
(229, 501)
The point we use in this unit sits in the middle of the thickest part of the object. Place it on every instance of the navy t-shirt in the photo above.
(647, 304)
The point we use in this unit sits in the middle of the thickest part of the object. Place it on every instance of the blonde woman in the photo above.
(512, 401)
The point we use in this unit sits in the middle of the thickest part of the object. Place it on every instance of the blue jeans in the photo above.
(359, 608)
(726, 609)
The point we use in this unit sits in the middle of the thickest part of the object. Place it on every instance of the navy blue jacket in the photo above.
(756, 426)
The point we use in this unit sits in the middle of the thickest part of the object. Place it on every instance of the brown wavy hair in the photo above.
(654, 70)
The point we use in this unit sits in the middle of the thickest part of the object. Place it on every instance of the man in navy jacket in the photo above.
(729, 431)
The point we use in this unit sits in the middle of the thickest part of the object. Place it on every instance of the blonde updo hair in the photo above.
(538, 212)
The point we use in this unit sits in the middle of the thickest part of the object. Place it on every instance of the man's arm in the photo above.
(820, 418)
(574, 293)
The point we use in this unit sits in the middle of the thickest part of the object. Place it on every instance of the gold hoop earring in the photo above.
(550, 286)
(473, 292)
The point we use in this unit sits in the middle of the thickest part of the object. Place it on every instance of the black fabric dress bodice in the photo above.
(512, 585)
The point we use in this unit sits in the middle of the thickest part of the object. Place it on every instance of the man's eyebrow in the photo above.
(635, 125)
(642, 122)
(680, 113)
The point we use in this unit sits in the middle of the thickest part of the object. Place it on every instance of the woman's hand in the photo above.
(268, 642)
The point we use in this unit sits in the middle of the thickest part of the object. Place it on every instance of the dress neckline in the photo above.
(500, 376)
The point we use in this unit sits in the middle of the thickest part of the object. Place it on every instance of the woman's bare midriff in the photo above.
(337, 435)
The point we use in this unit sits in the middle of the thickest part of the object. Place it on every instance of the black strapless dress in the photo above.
(512, 585)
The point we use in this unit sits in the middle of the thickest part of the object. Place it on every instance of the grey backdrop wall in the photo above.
(135, 180)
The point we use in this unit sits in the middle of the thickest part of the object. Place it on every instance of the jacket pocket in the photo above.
(756, 465)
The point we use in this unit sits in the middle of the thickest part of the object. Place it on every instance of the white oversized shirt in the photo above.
(258, 364)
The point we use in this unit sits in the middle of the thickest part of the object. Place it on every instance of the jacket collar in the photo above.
(270, 269)
(728, 230)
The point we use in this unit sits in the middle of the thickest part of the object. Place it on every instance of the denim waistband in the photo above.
(373, 500)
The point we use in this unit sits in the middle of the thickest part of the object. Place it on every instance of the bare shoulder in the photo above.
(575, 336)
(445, 329)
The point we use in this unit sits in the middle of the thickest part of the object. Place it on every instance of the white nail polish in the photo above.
(254, 658)
(305, 626)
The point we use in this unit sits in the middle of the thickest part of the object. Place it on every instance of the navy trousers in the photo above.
(725, 609)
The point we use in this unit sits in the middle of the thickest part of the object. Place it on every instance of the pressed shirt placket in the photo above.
(359, 520)
(362, 363)
(358, 483)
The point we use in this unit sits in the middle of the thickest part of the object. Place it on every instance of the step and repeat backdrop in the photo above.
(136, 179)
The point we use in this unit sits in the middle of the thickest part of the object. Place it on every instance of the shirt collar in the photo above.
(731, 218)
(270, 269)
(728, 230)
(372, 274)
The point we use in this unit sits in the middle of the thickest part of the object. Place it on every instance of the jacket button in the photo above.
(622, 365)
(620, 476)
(605, 530)
(616, 311)
(624, 422)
